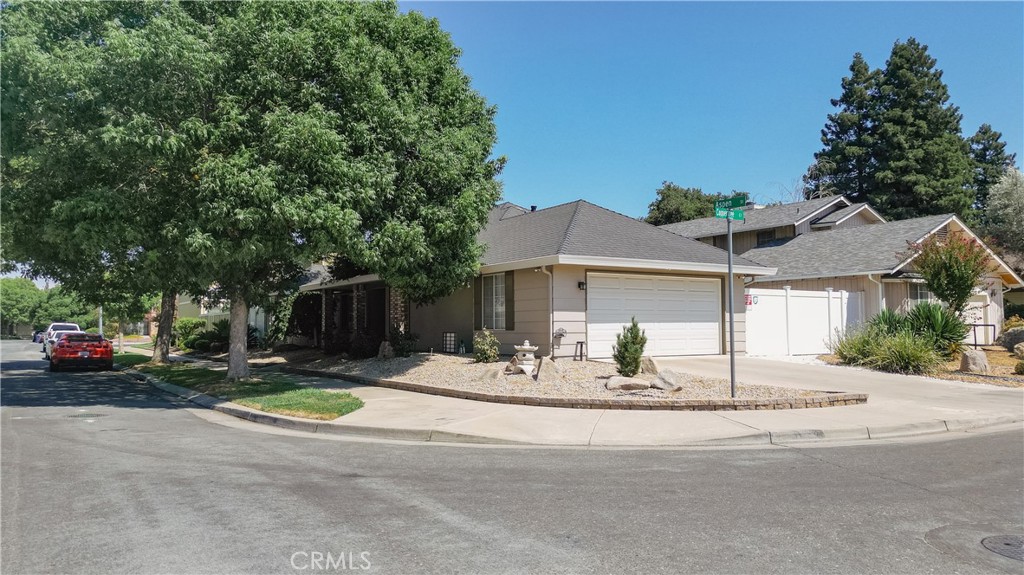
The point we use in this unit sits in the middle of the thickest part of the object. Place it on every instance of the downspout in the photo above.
(881, 293)
(551, 311)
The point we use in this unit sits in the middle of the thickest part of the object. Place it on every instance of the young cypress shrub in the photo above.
(629, 348)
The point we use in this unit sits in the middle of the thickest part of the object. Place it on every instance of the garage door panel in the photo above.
(680, 315)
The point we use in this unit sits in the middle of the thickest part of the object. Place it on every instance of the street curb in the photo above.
(758, 438)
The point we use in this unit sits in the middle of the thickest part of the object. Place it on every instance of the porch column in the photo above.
(398, 310)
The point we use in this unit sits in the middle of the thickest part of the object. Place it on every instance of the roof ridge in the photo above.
(571, 227)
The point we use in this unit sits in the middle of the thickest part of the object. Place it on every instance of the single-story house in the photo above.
(566, 278)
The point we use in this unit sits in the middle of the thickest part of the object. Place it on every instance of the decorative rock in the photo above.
(973, 361)
(510, 367)
(1019, 350)
(385, 351)
(1011, 338)
(648, 365)
(493, 374)
(668, 380)
(626, 383)
(547, 369)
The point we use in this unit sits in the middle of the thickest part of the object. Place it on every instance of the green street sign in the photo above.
(733, 202)
(735, 215)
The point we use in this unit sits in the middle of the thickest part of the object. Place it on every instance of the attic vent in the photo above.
(942, 233)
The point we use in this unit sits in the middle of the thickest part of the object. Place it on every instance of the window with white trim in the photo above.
(493, 301)
(919, 294)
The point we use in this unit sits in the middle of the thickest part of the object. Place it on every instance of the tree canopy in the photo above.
(220, 148)
(678, 204)
(20, 298)
(1005, 211)
(896, 142)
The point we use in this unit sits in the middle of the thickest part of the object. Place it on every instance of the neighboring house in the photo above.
(562, 277)
(763, 225)
(873, 260)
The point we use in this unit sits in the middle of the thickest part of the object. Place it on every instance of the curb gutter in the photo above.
(758, 438)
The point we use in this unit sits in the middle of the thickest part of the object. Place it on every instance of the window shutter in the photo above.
(478, 302)
(510, 300)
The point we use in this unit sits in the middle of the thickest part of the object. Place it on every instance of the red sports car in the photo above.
(82, 350)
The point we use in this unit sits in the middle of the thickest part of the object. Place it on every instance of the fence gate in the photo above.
(796, 322)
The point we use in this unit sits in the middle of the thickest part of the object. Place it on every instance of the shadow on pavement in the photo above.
(28, 383)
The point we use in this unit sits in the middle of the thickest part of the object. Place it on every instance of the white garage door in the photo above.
(681, 315)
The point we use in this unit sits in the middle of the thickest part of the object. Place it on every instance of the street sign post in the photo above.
(727, 209)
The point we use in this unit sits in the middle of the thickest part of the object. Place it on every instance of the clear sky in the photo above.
(603, 101)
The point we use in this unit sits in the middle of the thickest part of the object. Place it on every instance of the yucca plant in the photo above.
(888, 322)
(938, 324)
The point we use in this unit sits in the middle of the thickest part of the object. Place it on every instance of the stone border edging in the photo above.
(830, 400)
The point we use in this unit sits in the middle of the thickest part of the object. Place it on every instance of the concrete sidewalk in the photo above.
(898, 406)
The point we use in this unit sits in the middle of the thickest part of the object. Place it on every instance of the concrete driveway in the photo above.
(894, 400)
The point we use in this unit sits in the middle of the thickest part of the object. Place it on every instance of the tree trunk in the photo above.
(165, 323)
(120, 336)
(238, 362)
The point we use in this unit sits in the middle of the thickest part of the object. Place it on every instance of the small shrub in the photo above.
(942, 327)
(904, 352)
(221, 331)
(200, 344)
(365, 345)
(485, 347)
(402, 341)
(856, 346)
(629, 348)
(1019, 368)
(253, 340)
(186, 327)
(888, 322)
(1012, 322)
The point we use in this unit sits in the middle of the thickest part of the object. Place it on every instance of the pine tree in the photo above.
(844, 166)
(924, 165)
(990, 163)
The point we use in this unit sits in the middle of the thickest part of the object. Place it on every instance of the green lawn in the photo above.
(271, 393)
(130, 359)
(140, 344)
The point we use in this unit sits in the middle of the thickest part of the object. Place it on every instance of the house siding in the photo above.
(744, 241)
(452, 313)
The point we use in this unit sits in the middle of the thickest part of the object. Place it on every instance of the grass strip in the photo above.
(269, 393)
(130, 359)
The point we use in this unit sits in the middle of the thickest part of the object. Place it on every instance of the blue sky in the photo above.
(604, 101)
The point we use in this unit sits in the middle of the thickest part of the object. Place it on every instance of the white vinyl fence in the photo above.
(793, 322)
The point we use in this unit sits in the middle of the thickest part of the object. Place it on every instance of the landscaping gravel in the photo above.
(576, 379)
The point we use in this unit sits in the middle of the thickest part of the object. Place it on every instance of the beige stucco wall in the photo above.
(452, 313)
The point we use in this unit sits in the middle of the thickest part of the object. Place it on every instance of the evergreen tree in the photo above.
(924, 165)
(845, 164)
(990, 163)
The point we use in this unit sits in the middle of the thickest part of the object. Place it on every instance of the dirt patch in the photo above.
(1000, 362)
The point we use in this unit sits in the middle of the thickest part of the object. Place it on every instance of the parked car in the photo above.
(58, 326)
(51, 341)
(80, 349)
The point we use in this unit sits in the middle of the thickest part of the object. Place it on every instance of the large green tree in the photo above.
(62, 304)
(896, 142)
(678, 204)
(991, 161)
(219, 148)
(19, 299)
(1005, 211)
(844, 165)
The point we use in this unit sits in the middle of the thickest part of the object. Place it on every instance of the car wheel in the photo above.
(54, 366)
(109, 366)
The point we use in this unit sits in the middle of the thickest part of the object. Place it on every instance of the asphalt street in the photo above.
(101, 474)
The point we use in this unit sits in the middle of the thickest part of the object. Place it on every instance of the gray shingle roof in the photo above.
(754, 218)
(583, 229)
(838, 214)
(842, 252)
